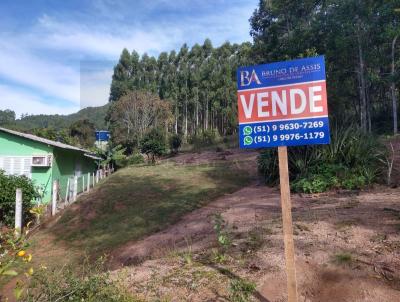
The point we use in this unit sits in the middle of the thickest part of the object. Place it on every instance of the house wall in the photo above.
(14, 146)
(65, 166)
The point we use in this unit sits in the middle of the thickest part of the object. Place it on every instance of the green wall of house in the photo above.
(65, 163)
(12, 145)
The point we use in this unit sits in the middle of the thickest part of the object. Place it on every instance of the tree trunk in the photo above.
(363, 98)
(369, 123)
(197, 110)
(186, 113)
(176, 117)
(393, 88)
(206, 117)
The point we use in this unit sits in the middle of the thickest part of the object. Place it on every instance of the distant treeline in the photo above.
(95, 115)
(75, 129)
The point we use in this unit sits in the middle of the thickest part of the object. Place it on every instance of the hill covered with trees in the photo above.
(75, 129)
(95, 115)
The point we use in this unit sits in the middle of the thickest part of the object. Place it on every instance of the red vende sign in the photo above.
(283, 102)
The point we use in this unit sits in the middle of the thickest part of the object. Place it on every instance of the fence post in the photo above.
(54, 198)
(75, 189)
(67, 192)
(18, 212)
(97, 176)
(88, 182)
(83, 183)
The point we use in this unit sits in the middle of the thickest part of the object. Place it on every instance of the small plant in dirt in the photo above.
(343, 258)
(241, 290)
(63, 285)
(218, 257)
(220, 227)
(188, 254)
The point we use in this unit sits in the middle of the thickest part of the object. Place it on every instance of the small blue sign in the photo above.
(102, 136)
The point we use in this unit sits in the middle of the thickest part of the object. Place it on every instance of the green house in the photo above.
(44, 161)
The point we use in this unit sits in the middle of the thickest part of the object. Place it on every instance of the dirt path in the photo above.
(347, 248)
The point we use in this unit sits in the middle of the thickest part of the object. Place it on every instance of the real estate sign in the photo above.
(283, 104)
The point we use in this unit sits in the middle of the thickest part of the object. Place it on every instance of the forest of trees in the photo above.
(358, 38)
(199, 83)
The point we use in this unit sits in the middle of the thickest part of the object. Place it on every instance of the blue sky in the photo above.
(57, 56)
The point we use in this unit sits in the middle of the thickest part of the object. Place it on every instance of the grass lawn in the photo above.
(139, 200)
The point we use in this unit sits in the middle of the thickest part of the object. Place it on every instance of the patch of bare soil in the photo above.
(347, 250)
(206, 157)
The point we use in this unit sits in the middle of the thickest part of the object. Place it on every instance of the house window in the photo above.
(17, 165)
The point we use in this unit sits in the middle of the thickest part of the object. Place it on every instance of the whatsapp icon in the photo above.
(248, 140)
(247, 130)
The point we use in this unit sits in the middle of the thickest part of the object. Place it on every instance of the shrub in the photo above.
(153, 144)
(66, 285)
(352, 160)
(8, 187)
(175, 143)
(135, 159)
(204, 139)
(115, 156)
(268, 165)
(209, 137)
(14, 260)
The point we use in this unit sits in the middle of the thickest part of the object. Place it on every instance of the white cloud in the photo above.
(45, 58)
(52, 78)
(23, 102)
(104, 41)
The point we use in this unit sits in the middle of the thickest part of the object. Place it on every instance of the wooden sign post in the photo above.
(287, 224)
(283, 104)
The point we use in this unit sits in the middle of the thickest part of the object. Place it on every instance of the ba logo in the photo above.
(246, 78)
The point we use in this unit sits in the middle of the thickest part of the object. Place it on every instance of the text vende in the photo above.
(274, 103)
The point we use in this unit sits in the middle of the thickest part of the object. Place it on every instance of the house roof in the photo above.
(49, 142)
